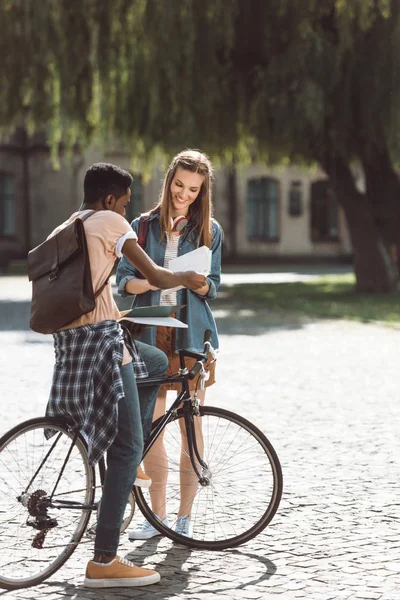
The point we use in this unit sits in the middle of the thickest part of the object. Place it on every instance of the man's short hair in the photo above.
(102, 179)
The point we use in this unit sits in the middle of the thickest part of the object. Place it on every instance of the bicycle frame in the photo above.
(49, 501)
(190, 408)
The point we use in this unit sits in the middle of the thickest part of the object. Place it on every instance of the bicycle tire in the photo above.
(129, 512)
(22, 449)
(241, 460)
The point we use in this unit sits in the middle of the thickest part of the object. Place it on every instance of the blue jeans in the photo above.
(135, 413)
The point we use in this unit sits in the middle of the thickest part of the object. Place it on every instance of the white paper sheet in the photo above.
(157, 321)
(198, 260)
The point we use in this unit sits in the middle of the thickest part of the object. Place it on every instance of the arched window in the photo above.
(263, 209)
(7, 205)
(324, 212)
(295, 208)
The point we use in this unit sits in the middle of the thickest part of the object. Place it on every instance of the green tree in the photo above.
(313, 81)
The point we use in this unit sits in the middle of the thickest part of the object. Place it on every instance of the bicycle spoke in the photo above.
(29, 460)
(240, 464)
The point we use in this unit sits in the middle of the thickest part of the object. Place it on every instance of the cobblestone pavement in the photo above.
(326, 395)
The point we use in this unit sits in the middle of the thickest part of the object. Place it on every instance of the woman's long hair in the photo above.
(201, 210)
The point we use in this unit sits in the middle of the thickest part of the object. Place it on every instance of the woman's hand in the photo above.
(203, 290)
(194, 281)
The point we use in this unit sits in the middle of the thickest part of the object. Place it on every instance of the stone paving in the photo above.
(326, 395)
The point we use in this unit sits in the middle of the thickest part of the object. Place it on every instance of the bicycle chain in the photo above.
(39, 539)
(35, 511)
(96, 487)
(33, 502)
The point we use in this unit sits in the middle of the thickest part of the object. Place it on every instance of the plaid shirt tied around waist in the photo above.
(87, 383)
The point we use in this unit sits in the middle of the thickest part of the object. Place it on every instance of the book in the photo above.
(198, 260)
(152, 311)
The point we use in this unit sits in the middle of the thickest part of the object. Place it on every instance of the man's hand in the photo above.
(193, 281)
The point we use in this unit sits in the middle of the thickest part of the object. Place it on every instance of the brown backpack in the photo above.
(59, 269)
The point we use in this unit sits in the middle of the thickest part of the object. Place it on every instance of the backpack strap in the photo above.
(143, 229)
(101, 288)
(84, 217)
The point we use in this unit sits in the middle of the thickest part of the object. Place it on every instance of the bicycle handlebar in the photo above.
(200, 356)
(207, 336)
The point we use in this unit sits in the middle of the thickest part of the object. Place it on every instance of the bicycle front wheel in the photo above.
(39, 530)
(239, 488)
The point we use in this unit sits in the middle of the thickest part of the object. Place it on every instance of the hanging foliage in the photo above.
(308, 81)
(215, 73)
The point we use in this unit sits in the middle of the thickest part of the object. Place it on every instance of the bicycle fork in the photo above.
(190, 410)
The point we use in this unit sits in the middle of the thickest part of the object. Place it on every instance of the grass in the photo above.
(15, 268)
(326, 297)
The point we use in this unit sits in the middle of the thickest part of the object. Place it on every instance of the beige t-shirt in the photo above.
(106, 232)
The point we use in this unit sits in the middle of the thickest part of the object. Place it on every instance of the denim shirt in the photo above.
(196, 312)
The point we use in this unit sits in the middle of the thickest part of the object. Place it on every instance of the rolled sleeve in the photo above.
(214, 278)
(121, 286)
(129, 235)
(125, 269)
(125, 272)
(212, 290)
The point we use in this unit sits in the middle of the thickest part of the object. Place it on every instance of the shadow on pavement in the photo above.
(14, 315)
(236, 321)
(230, 319)
(175, 580)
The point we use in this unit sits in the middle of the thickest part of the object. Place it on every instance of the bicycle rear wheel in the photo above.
(240, 489)
(38, 532)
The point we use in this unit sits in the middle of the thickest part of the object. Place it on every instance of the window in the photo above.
(7, 205)
(296, 199)
(135, 206)
(324, 212)
(263, 209)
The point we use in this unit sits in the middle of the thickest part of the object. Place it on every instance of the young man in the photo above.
(94, 380)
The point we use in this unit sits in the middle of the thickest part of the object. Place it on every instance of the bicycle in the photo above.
(47, 486)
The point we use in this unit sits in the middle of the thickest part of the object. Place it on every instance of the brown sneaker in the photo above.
(118, 573)
(142, 480)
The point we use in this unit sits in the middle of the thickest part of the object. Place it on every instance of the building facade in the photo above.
(267, 213)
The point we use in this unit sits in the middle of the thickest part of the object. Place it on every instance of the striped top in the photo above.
(171, 251)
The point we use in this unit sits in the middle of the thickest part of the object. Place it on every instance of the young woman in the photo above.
(180, 222)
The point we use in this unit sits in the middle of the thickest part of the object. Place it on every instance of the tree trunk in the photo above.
(373, 267)
(232, 203)
(383, 191)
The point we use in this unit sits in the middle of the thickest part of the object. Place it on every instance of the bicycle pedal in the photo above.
(91, 531)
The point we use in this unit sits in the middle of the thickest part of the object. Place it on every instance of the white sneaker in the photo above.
(146, 530)
(183, 525)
